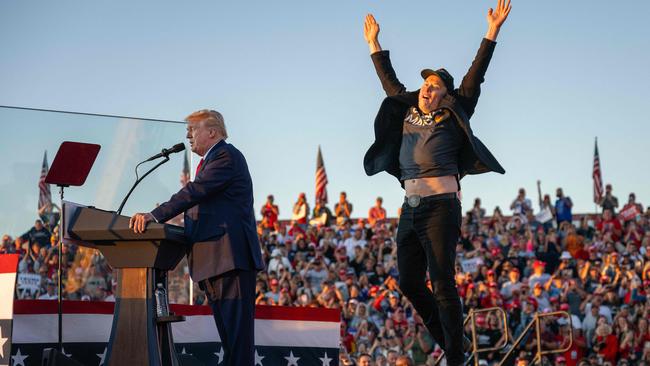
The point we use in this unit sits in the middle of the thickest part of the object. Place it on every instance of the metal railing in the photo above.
(536, 323)
(471, 317)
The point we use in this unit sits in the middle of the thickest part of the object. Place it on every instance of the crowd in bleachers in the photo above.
(531, 259)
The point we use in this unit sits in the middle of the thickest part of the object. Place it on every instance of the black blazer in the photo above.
(219, 216)
(383, 155)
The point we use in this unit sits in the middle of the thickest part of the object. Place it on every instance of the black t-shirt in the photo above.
(431, 144)
(610, 202)
(588, 233)
(42, 237)
(357, 266)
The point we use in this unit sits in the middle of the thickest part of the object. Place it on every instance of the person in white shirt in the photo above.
(521, 204)
(513, 284)
(603, 310)
(539, 276)
(315, 274)
(355, 240)
(51, 292)
(576, 323)
(542, 298)
(300, 211)
(278, 260)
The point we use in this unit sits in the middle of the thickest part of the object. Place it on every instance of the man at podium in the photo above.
(224, 253)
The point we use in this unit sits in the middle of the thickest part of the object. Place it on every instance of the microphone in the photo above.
(165, 152)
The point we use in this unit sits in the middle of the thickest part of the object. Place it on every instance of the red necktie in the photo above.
(198, 167)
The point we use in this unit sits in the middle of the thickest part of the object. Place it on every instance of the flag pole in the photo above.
(59, 272)
(600, 172)
(191, 283)
(596, 203)
(594, 183)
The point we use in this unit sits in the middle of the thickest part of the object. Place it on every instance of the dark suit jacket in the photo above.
(383, 155)
(219, 216)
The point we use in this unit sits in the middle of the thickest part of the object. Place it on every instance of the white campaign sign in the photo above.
(544, 216)
(471, 265)
(29, 281)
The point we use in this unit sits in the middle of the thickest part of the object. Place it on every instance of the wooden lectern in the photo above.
(138, 335)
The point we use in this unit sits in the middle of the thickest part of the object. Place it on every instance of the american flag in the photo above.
(44, 195)
(8, 266)
(321, 178)
(598, 178)
(293, 336)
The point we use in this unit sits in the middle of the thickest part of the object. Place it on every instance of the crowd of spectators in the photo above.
(86, 274)
(535, 259)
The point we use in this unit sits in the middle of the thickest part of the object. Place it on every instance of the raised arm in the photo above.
(371, 33)
(381, 59)
(470, 88)
(496, 18)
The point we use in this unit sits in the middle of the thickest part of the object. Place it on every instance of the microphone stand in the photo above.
(119, 210)
(59, 271)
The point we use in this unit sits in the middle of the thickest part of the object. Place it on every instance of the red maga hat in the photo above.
(539, 263)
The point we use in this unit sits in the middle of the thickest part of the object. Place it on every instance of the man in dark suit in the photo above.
(220, 224)
(424, 139)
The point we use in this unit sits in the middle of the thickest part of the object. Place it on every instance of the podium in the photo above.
(138, 335)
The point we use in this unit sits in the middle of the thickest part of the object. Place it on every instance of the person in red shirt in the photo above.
(399, 320)
(270, 214)
(641, 336)
(577, 351)
(632, 209)
(610, 224)
(347, 340)
(295, 231)
(605, 343)
(492, 298)
(377, 214)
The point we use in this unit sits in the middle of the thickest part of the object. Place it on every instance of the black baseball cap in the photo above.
(442, 74)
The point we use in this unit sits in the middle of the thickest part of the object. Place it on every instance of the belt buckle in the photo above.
(414, 200)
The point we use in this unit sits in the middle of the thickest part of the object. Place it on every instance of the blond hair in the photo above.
(210, 118)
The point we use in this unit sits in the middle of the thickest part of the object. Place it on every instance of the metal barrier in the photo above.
(476, 350)
(540, 352)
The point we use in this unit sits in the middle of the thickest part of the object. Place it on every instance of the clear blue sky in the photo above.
(291, 75)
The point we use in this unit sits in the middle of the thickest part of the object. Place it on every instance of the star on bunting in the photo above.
(292, 360)
(19, 359)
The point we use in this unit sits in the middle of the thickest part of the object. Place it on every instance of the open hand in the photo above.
(371, 33)
(370, 29)
(496, 17)
(139, 222)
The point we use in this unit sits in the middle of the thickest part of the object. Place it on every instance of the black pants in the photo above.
(426, 240)
(232, 298)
